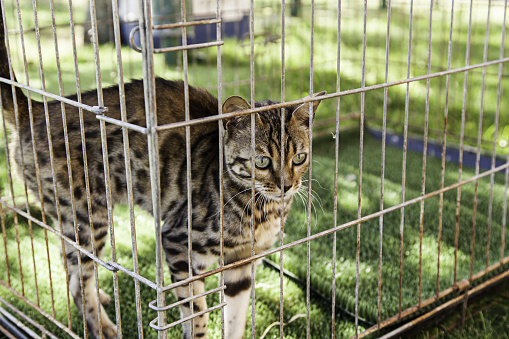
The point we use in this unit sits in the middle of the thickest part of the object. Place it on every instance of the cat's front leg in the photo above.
(179, 269)
(238, 288)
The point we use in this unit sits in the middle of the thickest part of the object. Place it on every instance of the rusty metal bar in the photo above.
(45, 102)
(282, 221)
(497, 115)
(183, 301)
(336, 170)
(444, 146)
(253, 153)
(122, 123)
(462, 134)
(35, 157)
(455, 301)
(127, 164)
(18, 295)
(479, 136)
(26, 318)
(221, 163)
(147, 44)
(183, 320)
(310, 172)
(331, 95)
(423, 187)
(361, 152)
(93, 109)
(382, 174)
(50, 146)
(59, 234)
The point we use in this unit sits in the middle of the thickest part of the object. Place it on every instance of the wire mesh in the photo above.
(434, 93)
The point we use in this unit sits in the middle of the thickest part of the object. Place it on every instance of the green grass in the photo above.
(485, 318)
(235, 68)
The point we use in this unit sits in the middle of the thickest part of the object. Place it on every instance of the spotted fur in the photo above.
(90, 218)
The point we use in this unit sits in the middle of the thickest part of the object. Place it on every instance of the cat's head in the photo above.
(268, 170)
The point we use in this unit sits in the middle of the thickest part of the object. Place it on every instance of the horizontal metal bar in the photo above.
(183, 301)
(132, 274)
(68, 240)
(485, 285)
(459, 286)
(187, 24)
(183, 320)
(329, 96)
(93, 109)
(28, 319)
(176, 25)
(20, 324)
(334, 229)
(40, 310)
(187, 47)
(122, 123)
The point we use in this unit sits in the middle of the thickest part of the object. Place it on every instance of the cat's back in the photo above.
(170, 101)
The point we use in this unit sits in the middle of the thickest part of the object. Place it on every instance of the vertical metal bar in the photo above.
(23, 174)
(361, 156)
(4, 236)
(188, 162)
(45, 103)
(282, 221)
(109, 204)
(479, 138)
(7, 156)
(424, 153)
(402, 224)
(147, 45)
(310, 172)
(35, 157)
(127, 163)
(478, 157)
(462, 134)
(504, 214)
(221, 161)
(382, 174)
(494, 154)
(69, 169)
(336, 171)
(50, 146)
(253, 154)
(444, 146)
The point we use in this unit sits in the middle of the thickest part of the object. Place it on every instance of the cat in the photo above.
(237, 191)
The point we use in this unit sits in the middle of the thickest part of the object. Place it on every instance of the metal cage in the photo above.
(444, 61)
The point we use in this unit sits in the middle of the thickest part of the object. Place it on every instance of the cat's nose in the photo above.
(287, 188)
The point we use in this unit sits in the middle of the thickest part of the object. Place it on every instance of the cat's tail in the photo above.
(9, 101)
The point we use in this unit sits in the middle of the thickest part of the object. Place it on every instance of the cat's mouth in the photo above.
(277, 195)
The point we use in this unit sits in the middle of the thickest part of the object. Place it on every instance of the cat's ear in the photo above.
(232, 104)
(235, 103)
(301, 113)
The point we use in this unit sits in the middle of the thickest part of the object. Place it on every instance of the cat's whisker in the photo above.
(247, 189)
(244, 210)
(314, 196)
(318, 162)
(315, 180)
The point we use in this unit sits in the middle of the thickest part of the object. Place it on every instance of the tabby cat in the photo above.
(173, 188)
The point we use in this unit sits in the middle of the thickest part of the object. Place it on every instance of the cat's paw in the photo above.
(110, 332)
(104, 297)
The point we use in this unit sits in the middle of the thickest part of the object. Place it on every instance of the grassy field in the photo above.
(235, 75)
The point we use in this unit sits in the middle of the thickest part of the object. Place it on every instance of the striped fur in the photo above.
(90, 218)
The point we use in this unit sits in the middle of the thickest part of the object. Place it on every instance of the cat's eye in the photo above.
(299, 158)
(262, 162)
